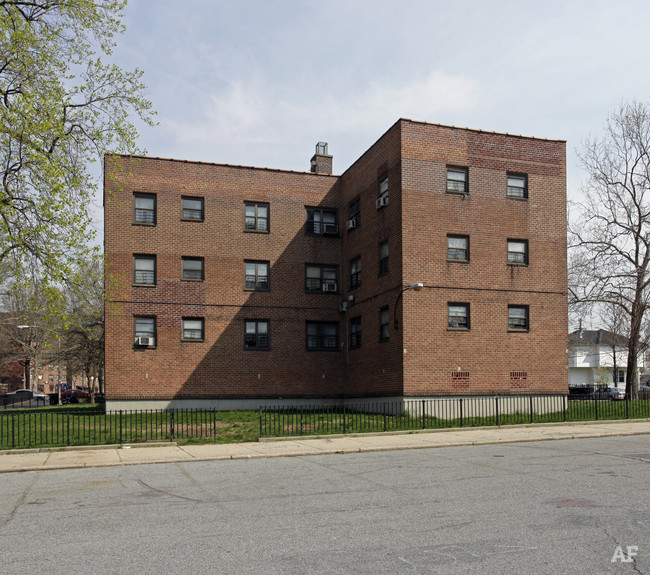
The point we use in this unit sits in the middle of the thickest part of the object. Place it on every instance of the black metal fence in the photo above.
(33, 428)
(380, 416)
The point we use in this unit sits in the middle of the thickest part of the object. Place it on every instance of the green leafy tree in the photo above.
(61, 109)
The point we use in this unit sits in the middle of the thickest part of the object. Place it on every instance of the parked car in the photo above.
(74, 395)
(616, 393)
(24, 396)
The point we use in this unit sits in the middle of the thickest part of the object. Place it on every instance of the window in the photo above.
(193, 209)
(145, 209)
(355, 272)
(518, 318)
(355, 332)
(384, 324)
(144, 270)
(457, 180)
(256, 217)
(383, 187)
(383, 258)
(354, 211)
(192, 269)
(458, 248)
(458, 316)
(518, 252)
(323, 336)
(256, 334)
(321, 278)
(517, 186)
(322, 222)
(257, 276)
(193, 328)
(145, 331)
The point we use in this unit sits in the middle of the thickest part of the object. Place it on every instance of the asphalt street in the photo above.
(572, 506)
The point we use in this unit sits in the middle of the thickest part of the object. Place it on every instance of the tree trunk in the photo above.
(633, 346)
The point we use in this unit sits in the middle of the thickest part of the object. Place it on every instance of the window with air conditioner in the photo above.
(321, 278)
(322, 221)
(144, 331)
(354, 213)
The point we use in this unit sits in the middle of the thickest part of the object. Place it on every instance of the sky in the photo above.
(260, 82)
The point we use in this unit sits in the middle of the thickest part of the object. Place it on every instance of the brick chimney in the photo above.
(321, 163)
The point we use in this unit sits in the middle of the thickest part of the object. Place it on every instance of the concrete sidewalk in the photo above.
(105, 456)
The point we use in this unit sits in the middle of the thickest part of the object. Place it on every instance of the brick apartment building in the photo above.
(237, 285)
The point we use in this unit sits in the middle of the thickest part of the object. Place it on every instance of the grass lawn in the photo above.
(88, 424)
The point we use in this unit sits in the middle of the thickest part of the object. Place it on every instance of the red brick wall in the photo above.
(422, 357)
(488, 351)
(219, 366)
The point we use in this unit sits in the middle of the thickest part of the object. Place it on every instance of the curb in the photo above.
(332, 451)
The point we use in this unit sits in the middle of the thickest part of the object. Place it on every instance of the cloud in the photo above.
(252, 112)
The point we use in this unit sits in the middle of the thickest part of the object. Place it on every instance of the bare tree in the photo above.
(84, 337)
(609, 231)
(26, 336)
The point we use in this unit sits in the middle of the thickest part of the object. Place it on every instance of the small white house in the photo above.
(595, 356)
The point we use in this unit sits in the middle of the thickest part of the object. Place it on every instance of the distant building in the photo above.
(598, 358)
(236, 286)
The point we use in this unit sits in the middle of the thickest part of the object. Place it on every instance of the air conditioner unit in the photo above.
(329, 286)
(330, 229)
(351, 224)
(381, 202)
(144, 341)
(343, 306)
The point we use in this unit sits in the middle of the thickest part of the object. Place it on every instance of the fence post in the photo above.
(424, 414)
(460, 400)
(385, 422)
(565, 400)
(596, 405)
(171, 425)
(13, 431)
(67, 419)
(260, 422)
(531, 408)
(120, 427)
(344, 414)
(496, 407)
